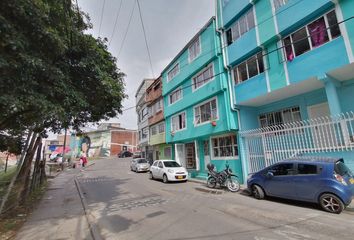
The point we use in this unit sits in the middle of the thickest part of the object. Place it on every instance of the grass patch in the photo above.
(12, 221)
(5, 179)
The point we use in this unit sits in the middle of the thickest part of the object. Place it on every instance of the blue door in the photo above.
(281, 184)
(307, 181)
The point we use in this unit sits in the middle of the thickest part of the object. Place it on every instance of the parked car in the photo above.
(137, 155)
(125, 154)
(327, 181)
(168, 170)
(139, 165)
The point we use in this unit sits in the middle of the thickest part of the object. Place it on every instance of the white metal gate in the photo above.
(265, 146)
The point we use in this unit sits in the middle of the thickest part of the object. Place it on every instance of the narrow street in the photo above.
(127, 205)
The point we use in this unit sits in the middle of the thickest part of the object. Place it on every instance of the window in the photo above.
(225, 146)
(203, 77)
(287, 115)
(162, 127)
(278, 3)
(194, 50)
(178, 122)
(175, 96)
(173, 72)
(240, 27)
(306, 169)
(157, 106)
(206, 147)
(249, 68)
(167, 152)
(153, 130)
(144, 133)
(155, 164)
(282, 169)
(313, 35)
(144, 113)
(205, 112)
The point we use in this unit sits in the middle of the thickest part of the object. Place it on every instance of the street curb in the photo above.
(93, 228)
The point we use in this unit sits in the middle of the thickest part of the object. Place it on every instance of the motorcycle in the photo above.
(224, 178)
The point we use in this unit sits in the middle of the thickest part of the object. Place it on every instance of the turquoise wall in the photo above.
(234, 9)
(347, 7)
(235, 165)
(265, 21)
(296, 13)
(243, 47)
(345, 94)
(318, 61)
(251, 88)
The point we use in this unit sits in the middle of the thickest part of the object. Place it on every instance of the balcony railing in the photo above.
(265, 146)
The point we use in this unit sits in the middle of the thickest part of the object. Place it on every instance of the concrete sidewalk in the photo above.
(60, 214)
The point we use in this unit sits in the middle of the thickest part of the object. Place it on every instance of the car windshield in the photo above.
(142, 161)
(342, 169)
(171, 164)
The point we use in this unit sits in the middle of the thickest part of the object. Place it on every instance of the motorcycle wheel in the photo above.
(211, 182)
(233, 185)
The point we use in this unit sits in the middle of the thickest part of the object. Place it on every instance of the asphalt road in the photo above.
(127, 205)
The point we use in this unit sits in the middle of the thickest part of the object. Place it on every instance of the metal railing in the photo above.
(268, 145)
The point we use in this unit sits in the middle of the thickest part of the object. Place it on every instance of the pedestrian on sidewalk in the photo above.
(83, 159)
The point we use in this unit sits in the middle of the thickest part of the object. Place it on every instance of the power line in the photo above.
(126, 32)
(147, 46)
(267, 53)
(102, 11)
(115, 23)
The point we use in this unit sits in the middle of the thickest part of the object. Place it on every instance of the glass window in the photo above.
(178, 122)
(162, 128)
(225, 146)
(333, 24)
(282, 169)
(318, 32)
(175, 96)
(300, 40)
(173, 72)
(312, 35)
(153, 130)
(160, 165)
(244, 24)
(249, 68)
(205, 112)
(171, 164)
(306, 168)
(194, 49)
(280, 117)
(252, 67)
(279, 3)
(203, 77)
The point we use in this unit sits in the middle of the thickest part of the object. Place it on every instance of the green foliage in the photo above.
(52, 74)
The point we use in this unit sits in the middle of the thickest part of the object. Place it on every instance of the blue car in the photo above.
(327, 181)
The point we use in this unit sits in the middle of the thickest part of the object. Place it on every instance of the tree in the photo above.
(52, 74)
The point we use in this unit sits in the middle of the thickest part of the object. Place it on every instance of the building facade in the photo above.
(157, 137)
(290, 63)
(142, 111)
(200, 122)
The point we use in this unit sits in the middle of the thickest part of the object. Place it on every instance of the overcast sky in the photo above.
(169, 25)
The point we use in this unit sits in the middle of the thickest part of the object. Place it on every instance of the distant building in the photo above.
(156, 121)
(142, 111)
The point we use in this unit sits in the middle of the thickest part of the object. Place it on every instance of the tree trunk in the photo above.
(24, 151)
(26, 171)
(36, 169)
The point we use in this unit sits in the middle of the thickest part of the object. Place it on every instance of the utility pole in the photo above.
(64, 145)
(7, 159)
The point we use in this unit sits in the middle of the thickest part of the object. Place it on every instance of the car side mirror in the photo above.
(269, 175)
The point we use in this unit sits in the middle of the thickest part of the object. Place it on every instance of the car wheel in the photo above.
(165, 179)
(331, 203)
(257, 192)
(151, 176)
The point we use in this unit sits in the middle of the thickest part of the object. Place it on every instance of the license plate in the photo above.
(351, 180)
(179, 177)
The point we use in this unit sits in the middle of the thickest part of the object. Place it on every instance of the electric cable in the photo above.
(102, 11)
(127, 29)
(115, 23)
(146, 43)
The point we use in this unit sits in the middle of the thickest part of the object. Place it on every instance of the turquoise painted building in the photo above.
(200, 123)
(291, 67)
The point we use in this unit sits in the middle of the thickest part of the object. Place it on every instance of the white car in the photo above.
(139, 165)
(168, 170)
